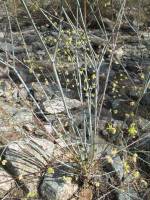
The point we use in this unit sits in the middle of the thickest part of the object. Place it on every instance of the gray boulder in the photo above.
(58, 186)
(25, 159)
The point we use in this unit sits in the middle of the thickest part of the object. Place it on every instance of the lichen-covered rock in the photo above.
(13, 118)
(58, 186)
(143, 124)
(26, 158)
(6, 182)
(56, 105)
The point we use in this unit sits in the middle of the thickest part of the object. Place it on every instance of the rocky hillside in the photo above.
(74, 100)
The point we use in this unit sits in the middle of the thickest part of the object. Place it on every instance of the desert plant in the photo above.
(80, 151)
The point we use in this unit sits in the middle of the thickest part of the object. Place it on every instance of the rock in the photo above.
(19, 50)
(18, 114)
(41, 54)
(4, 87)
(22, 93)
(123, 107)
(23, 116)
(143, 149)
(42, 91)
(12, 120)
(117, 166)
(23, 72)
(86, 194)
(129, 193)
(114, 168)
(145, 101)
(56, 105)
(27, 158)
(133, 92)
(126, 28)
(4, 71)
(30, 37)
(143, 124)
(58, 186)
(6, 182)
(113, 165)
(2, 35)
(102, 147)
(39, 149)
(37, 46)
(128, 190)
(48, 128)
(7, 47)
(147, 194)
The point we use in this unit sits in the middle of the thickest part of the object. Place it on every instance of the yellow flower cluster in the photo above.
(111, 129)
(3, 162)
(126, 167)
(132, 130)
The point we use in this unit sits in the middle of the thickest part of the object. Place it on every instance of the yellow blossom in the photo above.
(4, 162)
(115, 111)
(67, 179)
(97, 184)
(142, 76)
(136, 174)
(32, 194)
(132, 130)
(126, 167)
(144, 183)
(111, 129)
(109, 159)
(50, 170)
(132, 103)
(20, 177)
(94, 76)
(114, 152)
(134, 158)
